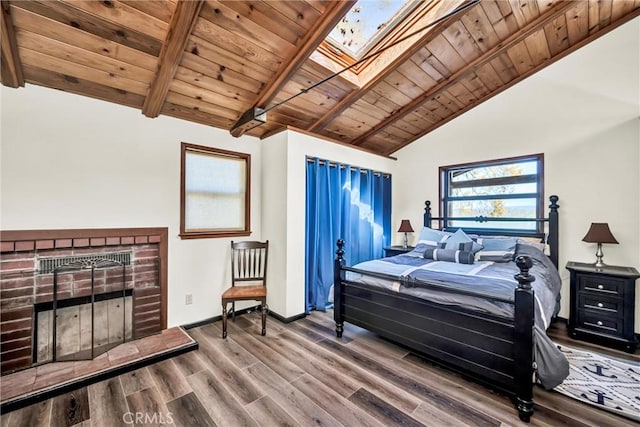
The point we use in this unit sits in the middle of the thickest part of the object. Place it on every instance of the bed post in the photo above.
(553, 239)
(426, 219)
(338, 288)
(523, 339)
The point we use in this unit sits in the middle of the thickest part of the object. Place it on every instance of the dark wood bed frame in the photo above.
(493, 350)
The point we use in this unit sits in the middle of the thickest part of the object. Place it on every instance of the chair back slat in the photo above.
(249, 262)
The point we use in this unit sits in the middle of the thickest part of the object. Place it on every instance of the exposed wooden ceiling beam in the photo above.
(559, 9)
(534, 70)
(182, 22)
(316, 34)
(310, 42)
(11, 71)
(353, 96)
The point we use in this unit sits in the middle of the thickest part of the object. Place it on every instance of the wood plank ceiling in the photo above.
(210, 61)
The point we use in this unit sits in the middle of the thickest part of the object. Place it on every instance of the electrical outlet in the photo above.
(188, 299)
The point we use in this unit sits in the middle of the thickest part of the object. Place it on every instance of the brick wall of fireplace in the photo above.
(23, 284)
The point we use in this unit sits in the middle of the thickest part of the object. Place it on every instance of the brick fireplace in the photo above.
(25, 283)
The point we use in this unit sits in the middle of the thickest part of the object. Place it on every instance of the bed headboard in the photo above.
(551, 235)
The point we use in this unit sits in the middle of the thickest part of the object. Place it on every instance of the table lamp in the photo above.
(405, 227)
(599, 233)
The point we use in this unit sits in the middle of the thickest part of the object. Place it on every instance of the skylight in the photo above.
(366, 23)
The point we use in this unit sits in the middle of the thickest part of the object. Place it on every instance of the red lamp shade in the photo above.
(405, 227)
(599, 233)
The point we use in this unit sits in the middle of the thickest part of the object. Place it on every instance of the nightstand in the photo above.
(397, 250)
(603, 304)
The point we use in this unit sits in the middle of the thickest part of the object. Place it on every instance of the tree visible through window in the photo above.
(507, 188)
(214, 192)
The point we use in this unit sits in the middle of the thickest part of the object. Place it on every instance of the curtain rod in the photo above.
(343, 166)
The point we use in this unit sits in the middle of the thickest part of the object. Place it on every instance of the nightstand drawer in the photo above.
(603, 304)
(600, 304)
(601, 285)
(600, 323)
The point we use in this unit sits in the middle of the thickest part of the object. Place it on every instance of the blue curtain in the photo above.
(342, 202)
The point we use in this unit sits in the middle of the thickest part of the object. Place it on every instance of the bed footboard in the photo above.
(495, 351)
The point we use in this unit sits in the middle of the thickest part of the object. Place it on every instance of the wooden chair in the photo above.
(249, 273)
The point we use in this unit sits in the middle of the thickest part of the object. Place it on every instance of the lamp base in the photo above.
(405, 241)
(599, 254)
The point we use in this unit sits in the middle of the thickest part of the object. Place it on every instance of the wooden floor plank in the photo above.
(270, 413)
(221, 405)
(396, 396)
(415, 367)
(241, 321)
(188, 411)
(429, 414)
(168, 379)
(292, 400)
(341, 409)
(107, 402)
(255, 327)
(326, 330)
(490, 402)
(135, 381)
(309, 334)
(263, 352)
(70, 409)
(189, 363)
(226, 371)
(234, 352)
(37, 415)
(340, 383)
(387, 414)
(413, 385)
(147, 408)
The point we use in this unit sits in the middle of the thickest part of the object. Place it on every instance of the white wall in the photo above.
(583, 113)
(274, 219)
(295, 147)
(75, 162)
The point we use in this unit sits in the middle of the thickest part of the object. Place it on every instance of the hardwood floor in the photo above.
(300, 374)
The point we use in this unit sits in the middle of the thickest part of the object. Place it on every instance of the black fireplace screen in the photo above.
(91, 311)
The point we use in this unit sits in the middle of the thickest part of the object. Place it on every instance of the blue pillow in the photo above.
(461, 242)
(449, 255)
(431, 237)
(497, 249)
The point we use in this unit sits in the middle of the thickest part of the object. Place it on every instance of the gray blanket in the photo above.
(493, 285)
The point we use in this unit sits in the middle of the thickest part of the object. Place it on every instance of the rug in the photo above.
(608, 383)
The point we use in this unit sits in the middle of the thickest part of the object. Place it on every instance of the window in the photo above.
(507, 188)
(214, 192)
(367, 23)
